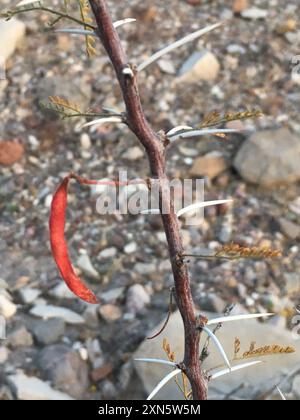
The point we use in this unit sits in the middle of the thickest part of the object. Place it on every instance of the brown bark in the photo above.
(155, 149)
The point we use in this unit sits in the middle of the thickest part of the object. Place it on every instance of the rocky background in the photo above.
(57, 347)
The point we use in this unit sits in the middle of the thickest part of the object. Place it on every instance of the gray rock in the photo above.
(31, 388)
(269, 157)
(11, 32)
(95, 353)
(20, 337)
(108, 390)
(290, 229)
(296, 386)
(49, 331)
(108, 252)
(225, 233)
(262, 377)
(212, 303)
(137, 298)
(85, 264)
(144, 269)
(29, 295)
(112, 295)
(130, 248)
(61, 291)
(64, 368)
(199, 66)
(292, 284)
(49, 311)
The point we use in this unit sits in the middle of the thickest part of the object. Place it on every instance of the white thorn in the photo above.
(197, 133)
(123, 22)
(201, 204)
(281, 393)
(190, 207)
(236, 318)
(128, 72)
(178, 128)
(177, 44)
(218, 345)
(75, 31)
(102, 121)
(86, 32)
(163, 383)
(27, 2)
(234, 368)
(159, 361)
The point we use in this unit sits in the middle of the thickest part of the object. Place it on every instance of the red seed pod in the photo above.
(59, 245)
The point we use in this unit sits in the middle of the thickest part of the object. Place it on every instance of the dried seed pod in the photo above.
(59, 246)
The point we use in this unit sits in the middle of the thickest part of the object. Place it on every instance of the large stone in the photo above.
(64, 368)
(49, 331)
(49, 311)
(270, 157)
(199, 66)
(31, 388)
(262, 377)
(11, 32)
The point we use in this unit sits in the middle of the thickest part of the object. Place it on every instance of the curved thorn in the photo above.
(123, 22)
(163, 383)
(237, 318)
(201, 204)
(177, 44)
(218, 345)
(233, 369)
(281, 393)
(159, 361)
(178, 128)
(197, 133)
(102, 121)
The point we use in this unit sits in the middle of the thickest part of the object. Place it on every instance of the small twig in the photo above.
(168, 316)
(54, 12)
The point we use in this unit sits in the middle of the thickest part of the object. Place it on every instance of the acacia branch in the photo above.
(61, 15)
(155, 149)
